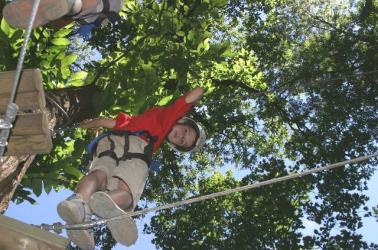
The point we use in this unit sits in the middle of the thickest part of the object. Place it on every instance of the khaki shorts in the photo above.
(90, 15)
(133, 172)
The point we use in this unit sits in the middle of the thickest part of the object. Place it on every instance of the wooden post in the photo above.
(16, 235)
(30, 134)
(30, 94)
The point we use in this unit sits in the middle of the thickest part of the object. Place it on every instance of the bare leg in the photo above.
(80, 5)
(88, 4)
(93, 182)
(122, 195)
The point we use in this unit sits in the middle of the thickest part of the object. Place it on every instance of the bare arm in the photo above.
(194, 95)
(98, 122)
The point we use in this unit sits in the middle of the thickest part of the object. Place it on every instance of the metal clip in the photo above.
(3, 142)
(4, 124)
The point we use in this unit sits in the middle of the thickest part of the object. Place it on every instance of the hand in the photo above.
(194, 95)
(97, 122)
(89, 123)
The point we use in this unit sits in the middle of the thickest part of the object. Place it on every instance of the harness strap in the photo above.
(125, 157)
(106, 14)
(110, 152)
(92, 146)
(140, 156)
(148, 150)
(106, 6)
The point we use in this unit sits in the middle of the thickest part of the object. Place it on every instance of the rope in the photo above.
(12, 107)
(57, 227)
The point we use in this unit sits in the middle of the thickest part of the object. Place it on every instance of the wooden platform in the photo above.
(31, 134)
(16, 235)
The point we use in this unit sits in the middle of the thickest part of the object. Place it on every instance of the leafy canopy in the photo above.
(289, 85)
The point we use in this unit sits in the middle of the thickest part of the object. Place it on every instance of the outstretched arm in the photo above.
(98, 122)
(194, 95)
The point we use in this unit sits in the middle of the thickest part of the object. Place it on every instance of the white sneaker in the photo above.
(18, 12)
(74, 210)
(124, 230)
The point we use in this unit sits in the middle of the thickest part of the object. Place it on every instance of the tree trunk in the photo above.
(12, 170)
(65, 106)
(72, 105)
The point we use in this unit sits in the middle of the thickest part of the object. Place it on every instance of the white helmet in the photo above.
(200, 136)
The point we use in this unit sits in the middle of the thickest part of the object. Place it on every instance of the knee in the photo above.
(100, 176)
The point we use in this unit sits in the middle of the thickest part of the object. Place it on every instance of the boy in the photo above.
(58, 13)
(120, 166)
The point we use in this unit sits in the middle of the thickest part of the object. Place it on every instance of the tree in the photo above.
(326, 108)
(375, 210)
(289, 85)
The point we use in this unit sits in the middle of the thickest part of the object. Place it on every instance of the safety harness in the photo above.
(106, 15)
(102, 18)
(146, 156)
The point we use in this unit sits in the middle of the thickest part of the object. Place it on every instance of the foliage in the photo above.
(375, 210)
(289, 85)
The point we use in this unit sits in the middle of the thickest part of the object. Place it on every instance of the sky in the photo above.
(45, 212)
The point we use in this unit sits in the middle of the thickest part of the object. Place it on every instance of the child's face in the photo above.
(182, 135)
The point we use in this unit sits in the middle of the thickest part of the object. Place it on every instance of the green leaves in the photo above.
(36, 185)
(69, 59)
(203, 46)
(17, 38)
(77, 78)
(60, 41)
(5, 27)
(65, 65)
(284, 91)
(149, 73)
(62, 33)
(73, 171)
(165, 100)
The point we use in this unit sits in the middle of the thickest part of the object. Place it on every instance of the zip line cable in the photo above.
(58, 227)
(12, 108)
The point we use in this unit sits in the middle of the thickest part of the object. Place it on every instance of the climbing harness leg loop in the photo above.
(146, 156)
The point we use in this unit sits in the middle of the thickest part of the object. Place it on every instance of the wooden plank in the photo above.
(29, 144)
(30, 82)
(26, 101)
(16, 235)
(31, 124)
